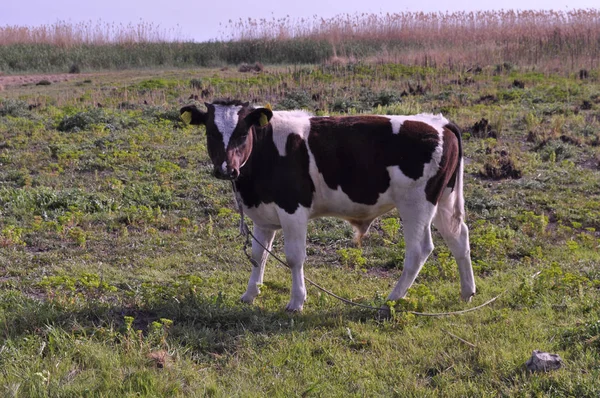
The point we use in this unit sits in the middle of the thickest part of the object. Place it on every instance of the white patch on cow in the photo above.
(436, 121)
(396, 122)
(226, 118)
(289, 122)
(264, 215)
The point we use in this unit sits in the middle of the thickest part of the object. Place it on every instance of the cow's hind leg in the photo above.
(456, 235)
(259, 255)
(419, 245)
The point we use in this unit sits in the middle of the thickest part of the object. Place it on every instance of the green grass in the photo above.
(45, 58)
(121, 267)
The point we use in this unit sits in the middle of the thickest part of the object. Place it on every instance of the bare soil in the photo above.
(20, 80)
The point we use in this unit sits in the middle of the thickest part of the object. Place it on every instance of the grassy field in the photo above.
(121, 267)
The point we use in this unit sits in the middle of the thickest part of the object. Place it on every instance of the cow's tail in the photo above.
(458, 214)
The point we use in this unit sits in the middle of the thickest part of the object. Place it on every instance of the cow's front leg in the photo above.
(263, 237)
(295, 254)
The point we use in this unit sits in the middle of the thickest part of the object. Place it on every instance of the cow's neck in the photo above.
(262, 140)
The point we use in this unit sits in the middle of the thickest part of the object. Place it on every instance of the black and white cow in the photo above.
(290, 167)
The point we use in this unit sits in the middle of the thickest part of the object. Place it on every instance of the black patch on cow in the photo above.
(457, 133)
(353, 152)
(198, 117)
(268, 177)
(446, 174)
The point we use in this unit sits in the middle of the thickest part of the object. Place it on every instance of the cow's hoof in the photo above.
(248, 297)
(467, 296)
(294, 307)
(384, 313)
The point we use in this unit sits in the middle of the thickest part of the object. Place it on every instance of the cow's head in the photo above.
(229, 132)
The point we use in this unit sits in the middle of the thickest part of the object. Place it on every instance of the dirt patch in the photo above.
(500, 165)
(20, 80)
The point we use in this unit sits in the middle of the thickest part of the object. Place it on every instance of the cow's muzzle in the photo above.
(228, 174)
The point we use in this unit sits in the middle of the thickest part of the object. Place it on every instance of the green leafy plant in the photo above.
(352, 257)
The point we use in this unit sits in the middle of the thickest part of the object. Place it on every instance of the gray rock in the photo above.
(543, 362)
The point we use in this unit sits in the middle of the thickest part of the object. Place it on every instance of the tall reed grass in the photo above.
(552, 38)
(546, 40)
(67, 34)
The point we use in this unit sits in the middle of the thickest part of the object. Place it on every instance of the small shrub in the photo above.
(43, 82)
(555, 151)
(390, 227)
(531, 121)
(500, 166)
(74, 69)
(11, 236)
(503, 68)
(296, 100)
(156, 113)
(343, 105)
(586, 105)
(14, 107)
(96, 116)
(568, 139)
(518, 84)
(78, 235)
(385, 98)
(196, 84)
(532, 224)
(152, 84)
(257, 67)
(483, 129)
(587, 334)
(352, 257)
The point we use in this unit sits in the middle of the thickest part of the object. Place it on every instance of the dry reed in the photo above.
(525, 37)
(67, 34)
(568, 41)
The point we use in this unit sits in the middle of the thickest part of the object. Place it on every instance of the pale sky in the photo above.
(200, 20)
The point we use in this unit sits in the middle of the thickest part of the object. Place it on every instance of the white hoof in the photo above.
(467, 296)
(249, 296)
(294, 306)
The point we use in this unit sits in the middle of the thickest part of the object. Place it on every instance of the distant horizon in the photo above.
(199, 23)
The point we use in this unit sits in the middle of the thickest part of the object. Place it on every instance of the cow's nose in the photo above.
(228, 173)
(233, 174)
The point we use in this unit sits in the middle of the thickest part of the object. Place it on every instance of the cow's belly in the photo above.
(264, 215)
(335, 203)
(327, 202)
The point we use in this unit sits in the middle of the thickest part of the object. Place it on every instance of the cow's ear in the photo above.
(192, 115)
(259, 117)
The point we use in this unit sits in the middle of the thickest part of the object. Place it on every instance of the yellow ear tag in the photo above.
(186, 117)
(268, 106)
(263, 121)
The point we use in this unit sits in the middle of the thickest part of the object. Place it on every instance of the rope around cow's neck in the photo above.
(245, 231)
